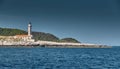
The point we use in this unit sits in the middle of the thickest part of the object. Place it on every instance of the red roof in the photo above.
(21, 35)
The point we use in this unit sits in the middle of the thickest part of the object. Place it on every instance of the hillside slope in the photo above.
(44, 36)
(69, 40)
(11, 32)
(36, 35)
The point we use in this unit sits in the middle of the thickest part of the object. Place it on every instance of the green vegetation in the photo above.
(44, 36)
(36, 35)
(69, 40)
(11, 32)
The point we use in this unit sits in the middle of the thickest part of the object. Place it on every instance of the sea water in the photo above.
(59, 58)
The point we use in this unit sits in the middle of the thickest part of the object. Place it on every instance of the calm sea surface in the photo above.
(59, 58)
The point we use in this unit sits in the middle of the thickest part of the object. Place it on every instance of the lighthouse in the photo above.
(29, 30)
(28, 37)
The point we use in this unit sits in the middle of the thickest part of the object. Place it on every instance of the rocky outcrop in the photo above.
(73, 45)
(51, 44)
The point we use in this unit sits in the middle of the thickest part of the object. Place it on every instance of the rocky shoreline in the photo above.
(50, 44)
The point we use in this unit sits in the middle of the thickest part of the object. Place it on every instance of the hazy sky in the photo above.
(91, 21)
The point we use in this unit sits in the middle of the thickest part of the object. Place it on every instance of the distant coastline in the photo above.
(17, 38)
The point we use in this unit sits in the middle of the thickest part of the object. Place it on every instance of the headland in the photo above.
(21, 38)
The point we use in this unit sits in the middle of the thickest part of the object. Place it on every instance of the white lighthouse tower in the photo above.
(29, 30)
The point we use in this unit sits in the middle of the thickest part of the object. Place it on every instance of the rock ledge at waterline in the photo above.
(51, 44)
